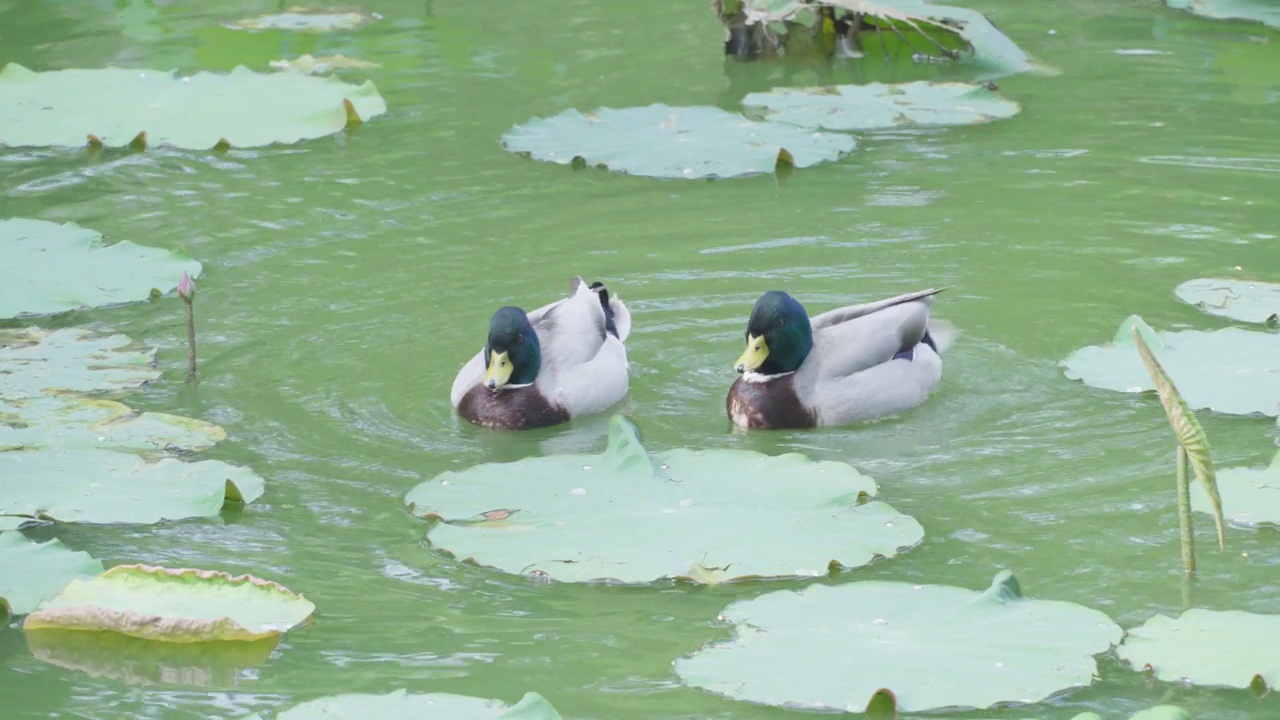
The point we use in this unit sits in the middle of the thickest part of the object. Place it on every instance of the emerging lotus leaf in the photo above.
(31, 572)
(876, 106)
(100, 486)
(900, 28)
(116, 107)
(628, 516)
(1266, 12)
(299, 19)
(35, 363)
(76, 422)
(834, 647)
(1255, 302)
(429, 706)
(1250, 497)
(54, 267)
(173, 605)
(1207, 647)
(672, 142)
(1230, 371)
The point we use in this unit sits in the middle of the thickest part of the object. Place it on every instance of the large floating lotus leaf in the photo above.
(173, 605)
(77, 422)
(628, 516)
(31, 572)
(933, 646)
(35, 362)
(101, 486)
(1255, 302)
(877, 105)
(114, 106)
(928, 28)
(304, 20)
(1263, 11)
(1250, 497)
(53, 267)
(672, 142)
(1230, 371)
(430, 706)
(1207, 647)
(146, 663)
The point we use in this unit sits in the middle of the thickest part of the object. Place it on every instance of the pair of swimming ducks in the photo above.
(567, 359)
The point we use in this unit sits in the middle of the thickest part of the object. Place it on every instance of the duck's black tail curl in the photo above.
(609, 325)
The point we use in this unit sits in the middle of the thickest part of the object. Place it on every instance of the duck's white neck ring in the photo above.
(755, 377)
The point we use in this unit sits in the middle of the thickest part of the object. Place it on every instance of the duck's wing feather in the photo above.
(572, 330)
(584, 367)
(469, 376)
(851, 312)
(864, 339)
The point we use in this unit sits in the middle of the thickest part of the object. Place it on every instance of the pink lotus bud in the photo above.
(186, 287)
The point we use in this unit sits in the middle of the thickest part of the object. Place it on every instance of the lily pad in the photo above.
(173, 605)
(629, 516)
(672, 142)
(31, 572)
(115, 107)
(53, 267)
(1250, 497)
(922, 27)
(833, 647)
(101, 486)
(429, 706)
(1263, 11)
(877, 105)
(1230, 371)
(298, 19)
(320, 65)
(1207, 647)
(35, 362)
(1243, 300)
(76, 422)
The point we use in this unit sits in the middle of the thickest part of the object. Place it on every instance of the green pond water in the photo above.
(347, 279)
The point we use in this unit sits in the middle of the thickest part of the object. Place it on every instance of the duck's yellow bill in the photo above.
(499, 370)
(756, 353)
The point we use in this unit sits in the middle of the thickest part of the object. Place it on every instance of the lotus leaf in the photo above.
(76, 422)
(1207, 647)
(672, 142)
(1250, 497)
(430, 706)
(11, 522)
(1263, 11)
(924, 27)
(53, 267)
(115, 107)
(320, 65)
(832, 647)
(877, 105)
(629, 516)
(147, 663)
(300, 19)
(31, 572)
(101, 486)
(173, 605)
(1255, 302)
(1231, 371)
(35, 362)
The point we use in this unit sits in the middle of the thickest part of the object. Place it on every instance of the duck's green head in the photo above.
(512, 355)
(779, 336)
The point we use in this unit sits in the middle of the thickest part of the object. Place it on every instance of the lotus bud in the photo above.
(186, 287)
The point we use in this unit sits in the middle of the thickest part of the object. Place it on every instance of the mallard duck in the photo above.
(558, 362)
(851, 364)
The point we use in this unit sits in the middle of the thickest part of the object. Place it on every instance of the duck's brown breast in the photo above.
(520, 408)
(768, 405)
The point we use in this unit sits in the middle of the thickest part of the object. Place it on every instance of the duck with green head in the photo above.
(561, 361)
(851, 364)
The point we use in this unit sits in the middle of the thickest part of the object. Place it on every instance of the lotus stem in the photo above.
(187, 291)
(1184, 514)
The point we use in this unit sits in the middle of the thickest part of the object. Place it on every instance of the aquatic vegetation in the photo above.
(68, 421)
(312, 65)
(187, 291)
(933, 646)
(630, 516)
(31, 572)
(173, 605)
(876, 106)
(36, 362)
(1243, 300)
(402, 704)
(1229, 648)
(54, 267)
(672, 142)
(116, 107)
(1261, 11)
(306, 20)
(1250, 497)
